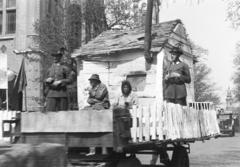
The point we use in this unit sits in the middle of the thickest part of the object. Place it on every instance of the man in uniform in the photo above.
(176, 76)
(59, 76)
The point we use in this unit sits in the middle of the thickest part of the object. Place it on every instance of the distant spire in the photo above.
(229, 99)
(229, 93)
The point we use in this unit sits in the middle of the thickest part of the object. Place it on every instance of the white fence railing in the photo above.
(171, 121)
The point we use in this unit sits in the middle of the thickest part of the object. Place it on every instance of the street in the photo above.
(221, 152)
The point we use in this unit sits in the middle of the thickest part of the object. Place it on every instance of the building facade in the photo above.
(17, 33)
(17, 19)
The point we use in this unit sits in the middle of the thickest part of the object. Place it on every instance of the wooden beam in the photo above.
(148, 31)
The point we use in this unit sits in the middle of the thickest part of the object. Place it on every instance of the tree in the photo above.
(95, 19)
(60, 28)
(233, 15)
(128, 13)
(233, 12)
(120, 13)
(63, 24)
(204, 89)
(236, 75)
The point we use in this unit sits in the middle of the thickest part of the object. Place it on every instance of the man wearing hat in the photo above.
(98, 94)
(59, 76)
(175, 77)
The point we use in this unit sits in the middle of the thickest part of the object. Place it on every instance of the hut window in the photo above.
(138, 81)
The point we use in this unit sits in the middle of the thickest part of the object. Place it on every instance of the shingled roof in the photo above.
(112, 41)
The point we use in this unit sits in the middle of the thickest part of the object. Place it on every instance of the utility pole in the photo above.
(148, 30)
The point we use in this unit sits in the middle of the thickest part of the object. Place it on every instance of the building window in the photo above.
(1, 20)
(7, 17)
(1, 4)
(11, 3)
(11, 22)
(138, 81)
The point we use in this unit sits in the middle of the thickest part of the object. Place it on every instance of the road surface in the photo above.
(221, 152)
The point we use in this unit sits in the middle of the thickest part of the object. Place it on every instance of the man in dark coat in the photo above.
(98, 94)
(175, 77)
(59, 76)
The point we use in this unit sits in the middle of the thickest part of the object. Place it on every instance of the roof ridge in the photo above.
(178, 21)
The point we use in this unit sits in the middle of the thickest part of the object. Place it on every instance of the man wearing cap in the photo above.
(175, 77)
(59, 76)
(98, 94)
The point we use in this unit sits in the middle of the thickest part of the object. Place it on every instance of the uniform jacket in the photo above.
(175, 86)
(59, 72)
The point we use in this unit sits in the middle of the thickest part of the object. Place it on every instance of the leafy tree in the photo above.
(233, 15)
(119, 12)
(204, 89)
(63, 27)
(127, 13)
(236, 75)
(59, 28)
(95, 19)
(233, 12)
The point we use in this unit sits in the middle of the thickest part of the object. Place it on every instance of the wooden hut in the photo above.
(117, 55)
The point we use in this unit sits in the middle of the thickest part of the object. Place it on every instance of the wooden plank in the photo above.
(157, 120)
(90, 140)
(134, 124)
(147, 123)
(37, 138)
(141, 124)
(160, 121)
(144, 122)
(67, 121)
(71, 139)
(153, 122)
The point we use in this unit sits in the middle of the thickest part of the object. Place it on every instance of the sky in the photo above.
(206, 25)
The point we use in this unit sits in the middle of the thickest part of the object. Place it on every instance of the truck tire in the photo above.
(180, 157)
(232, 133)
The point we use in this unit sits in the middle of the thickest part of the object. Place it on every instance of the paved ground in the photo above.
(221, 152)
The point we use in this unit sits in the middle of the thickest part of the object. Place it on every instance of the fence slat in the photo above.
(134, 124)
(141, 124)
(153, 122)
(147, 123)
(159, 116)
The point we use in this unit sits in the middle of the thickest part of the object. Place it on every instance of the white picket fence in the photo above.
(170, 122)
(165, 121)
(6, 115)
